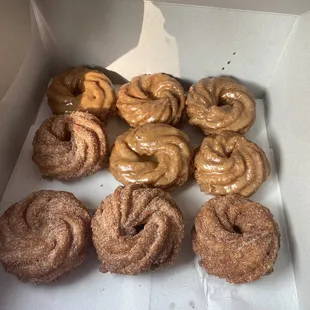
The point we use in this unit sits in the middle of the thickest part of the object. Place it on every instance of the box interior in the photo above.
(266, 51)
(277, 6)
(184, 285)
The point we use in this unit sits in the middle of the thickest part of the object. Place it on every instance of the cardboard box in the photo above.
(265, 49)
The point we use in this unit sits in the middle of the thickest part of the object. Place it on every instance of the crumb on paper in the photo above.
(172, 306)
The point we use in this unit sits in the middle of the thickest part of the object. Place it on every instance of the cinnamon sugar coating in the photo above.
(151, 98)
(44, 236)
(70, 146)
(137, 229)
(228, 163)
(157, 155)
(82, 89)
(219, 104)
(236, 239)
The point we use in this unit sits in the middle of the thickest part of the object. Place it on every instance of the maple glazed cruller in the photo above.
(70, 146)
(236, 239)
(157, 155)
(228, 163)
(220, 104)
(44, 236)
(151, 98)
(82, 89)
(137, 229)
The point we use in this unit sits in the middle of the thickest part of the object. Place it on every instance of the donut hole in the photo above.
(229, 150)
(65, 134)
(133, 230)
(77, 90)
(148, 158)
(228, 154)
(62, 131)
(237, 229)
(139, 228)
(222, 102)
(151, 95)
(226, 102)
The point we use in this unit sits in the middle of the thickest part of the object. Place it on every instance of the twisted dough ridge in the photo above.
(82, 89)
(228, 163)
(151, 98)
(137, 229)
(236, 239)
(70, 146)
(219, 104)
(44, 236)
(157, 155)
